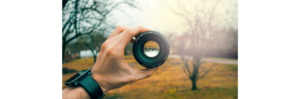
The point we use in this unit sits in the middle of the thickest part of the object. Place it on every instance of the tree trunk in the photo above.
(194, 76)
(92, 50)
(63, 52)
(95, 57)
(194, 80)
(194, 84)
(94, 54)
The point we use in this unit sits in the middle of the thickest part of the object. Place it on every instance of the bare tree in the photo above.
(204, 27)
(64, 2)
(85, 17)
(93, 42)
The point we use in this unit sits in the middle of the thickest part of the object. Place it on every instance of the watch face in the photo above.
(73, 81)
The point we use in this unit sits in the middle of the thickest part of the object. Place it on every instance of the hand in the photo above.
(111, 70)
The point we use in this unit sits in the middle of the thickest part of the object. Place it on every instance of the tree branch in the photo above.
(207, 71)
(185, 62)
(64, 2)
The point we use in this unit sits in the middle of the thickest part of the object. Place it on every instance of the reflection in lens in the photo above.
(151, 48)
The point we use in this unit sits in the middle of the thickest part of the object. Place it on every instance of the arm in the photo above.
(111, 70)
(75, 93)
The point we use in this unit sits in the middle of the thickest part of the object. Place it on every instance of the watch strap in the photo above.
(92, 87)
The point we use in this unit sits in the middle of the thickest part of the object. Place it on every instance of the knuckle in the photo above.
(110, 52)
(128, 31)
(139, 27)
(104, 46)
(120, 28)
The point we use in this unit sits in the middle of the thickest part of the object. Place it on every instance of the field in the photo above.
(170, 82)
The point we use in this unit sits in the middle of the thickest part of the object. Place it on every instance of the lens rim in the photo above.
(142, 58)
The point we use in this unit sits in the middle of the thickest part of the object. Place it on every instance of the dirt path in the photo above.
(216, 60)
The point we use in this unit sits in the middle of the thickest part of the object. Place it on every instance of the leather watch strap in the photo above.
(92, 87)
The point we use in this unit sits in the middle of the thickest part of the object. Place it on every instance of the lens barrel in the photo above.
(142, 58)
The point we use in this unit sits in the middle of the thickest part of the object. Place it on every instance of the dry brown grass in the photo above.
(170, 82)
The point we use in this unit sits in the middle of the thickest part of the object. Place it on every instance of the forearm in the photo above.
(75, 93)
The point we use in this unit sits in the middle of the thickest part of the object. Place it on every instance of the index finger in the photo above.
(127, 35)
(117, 31)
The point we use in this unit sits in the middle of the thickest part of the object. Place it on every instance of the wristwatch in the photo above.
(84, 79)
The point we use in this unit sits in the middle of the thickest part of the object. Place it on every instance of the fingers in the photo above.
(132, 40)
(145, 73)
(127, 35)
(117, 31)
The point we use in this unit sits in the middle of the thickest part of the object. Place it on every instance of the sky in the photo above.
(156, 14)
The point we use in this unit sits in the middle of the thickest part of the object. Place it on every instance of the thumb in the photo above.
(145, 73)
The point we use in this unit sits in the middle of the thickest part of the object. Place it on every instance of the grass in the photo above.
(170, 82)
(231, 67)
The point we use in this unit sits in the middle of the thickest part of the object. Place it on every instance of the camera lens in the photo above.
(150, 49)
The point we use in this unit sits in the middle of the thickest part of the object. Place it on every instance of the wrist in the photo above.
(100, 82)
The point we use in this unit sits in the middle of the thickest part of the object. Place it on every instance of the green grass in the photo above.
(232, 67)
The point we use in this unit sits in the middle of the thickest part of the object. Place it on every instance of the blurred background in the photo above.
(203, 60)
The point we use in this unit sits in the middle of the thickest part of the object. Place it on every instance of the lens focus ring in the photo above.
(142, 58)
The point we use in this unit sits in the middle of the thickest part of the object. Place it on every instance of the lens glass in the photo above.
(151, 48)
